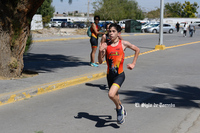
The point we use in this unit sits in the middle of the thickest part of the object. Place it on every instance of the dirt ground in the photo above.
(25, 74)
(48, 32)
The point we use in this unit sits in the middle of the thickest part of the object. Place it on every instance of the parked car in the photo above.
(105, 24)
(48, 24)
(182, 24)
(64, 24)
(100, 25)
(80, 24)
(147, 25)
(122, 23)
(144, 27)
(88, 24)
(67, 24)
(56, 24)
(167, 28)
(75, 25)
(70, 24)
(196, 23)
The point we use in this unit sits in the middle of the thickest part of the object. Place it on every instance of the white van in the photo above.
(56, 23)
(196, 23)
(122, 23)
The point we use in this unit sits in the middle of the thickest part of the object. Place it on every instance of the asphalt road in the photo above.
(161, 95)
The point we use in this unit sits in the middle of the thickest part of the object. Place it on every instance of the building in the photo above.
(173, 21)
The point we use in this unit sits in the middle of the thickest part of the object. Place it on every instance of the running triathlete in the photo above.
(114, 53)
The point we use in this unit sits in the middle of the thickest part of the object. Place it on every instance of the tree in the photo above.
(117, 9)
(154, 14)
(46, 10)
(173, 9)
(15, 20)
(189, 10)
(132, 10)
(101, 7)
(185, 10)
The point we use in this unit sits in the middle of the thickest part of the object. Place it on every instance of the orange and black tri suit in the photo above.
(107, 38)
(94, 37)
(115, 59)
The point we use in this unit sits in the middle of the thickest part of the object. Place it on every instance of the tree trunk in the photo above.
(15, 20)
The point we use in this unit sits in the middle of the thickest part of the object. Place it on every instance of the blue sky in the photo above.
(81, 5)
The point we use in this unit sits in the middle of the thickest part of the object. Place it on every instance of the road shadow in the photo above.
(101, 120)
(47, 63)
(100, 86)
(183, 96)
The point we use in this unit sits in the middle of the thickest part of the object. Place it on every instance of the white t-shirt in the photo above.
(185, 27)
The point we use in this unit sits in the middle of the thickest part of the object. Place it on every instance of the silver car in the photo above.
(147, 26)
(150, 26)
(196, 24)
(167, 28)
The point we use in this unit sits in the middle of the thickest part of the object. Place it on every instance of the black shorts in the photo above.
(94, 42)
(115, 80)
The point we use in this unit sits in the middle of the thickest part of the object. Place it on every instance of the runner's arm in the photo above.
(103, 39)
(134, 48)
(102, 52)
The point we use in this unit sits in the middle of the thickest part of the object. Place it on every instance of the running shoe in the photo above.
(93, 64)
(125, 113)
(120, 115)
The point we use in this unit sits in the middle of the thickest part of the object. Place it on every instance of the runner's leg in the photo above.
(113, 95)
(92, 54)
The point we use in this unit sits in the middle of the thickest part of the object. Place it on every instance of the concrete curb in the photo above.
(11, 97)
(61, 39)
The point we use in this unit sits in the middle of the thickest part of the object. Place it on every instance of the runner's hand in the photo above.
(102, 46)
(130, 66)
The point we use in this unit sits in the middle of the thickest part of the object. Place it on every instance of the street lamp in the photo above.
(160, 45)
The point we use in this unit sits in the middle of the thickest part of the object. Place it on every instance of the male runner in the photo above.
(114, 53)
(105, 37)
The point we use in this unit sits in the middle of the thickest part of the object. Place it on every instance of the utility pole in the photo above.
(88, 10)
(160, 45)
